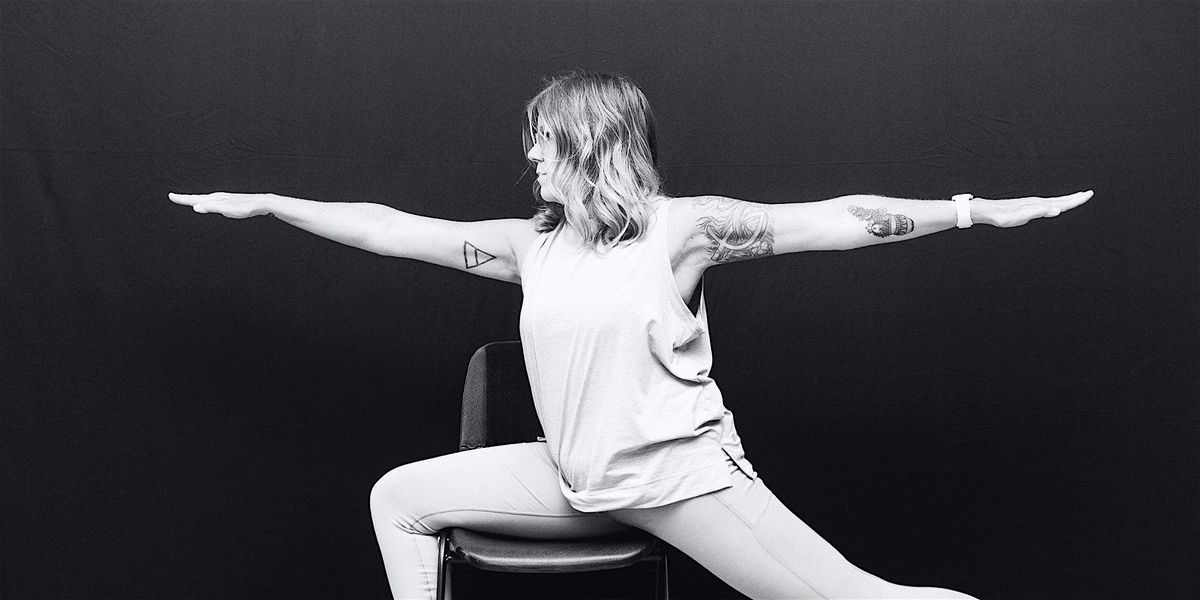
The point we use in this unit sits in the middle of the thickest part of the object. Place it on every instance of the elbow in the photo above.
(384, 237)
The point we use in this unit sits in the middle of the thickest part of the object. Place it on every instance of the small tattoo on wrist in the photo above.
(881, 223)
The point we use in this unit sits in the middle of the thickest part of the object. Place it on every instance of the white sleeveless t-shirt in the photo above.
(619, 369)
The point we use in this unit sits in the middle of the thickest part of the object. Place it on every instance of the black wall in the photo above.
(192, 407)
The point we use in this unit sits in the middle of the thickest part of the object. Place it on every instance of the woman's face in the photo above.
(544, 155)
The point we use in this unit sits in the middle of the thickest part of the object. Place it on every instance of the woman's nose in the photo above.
(535, 153)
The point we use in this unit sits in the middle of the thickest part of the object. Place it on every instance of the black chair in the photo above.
(498, 409)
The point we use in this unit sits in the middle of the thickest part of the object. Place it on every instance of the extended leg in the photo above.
(745, 536)
(510, 489)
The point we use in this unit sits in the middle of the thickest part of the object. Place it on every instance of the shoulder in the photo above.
(684, 217)
(687, 215)
(688, 206)
(522, 234)
(521, 231)
(692, 211)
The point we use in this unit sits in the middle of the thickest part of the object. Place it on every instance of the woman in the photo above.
(615, 336)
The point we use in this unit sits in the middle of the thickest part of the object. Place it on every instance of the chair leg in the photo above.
(665, 578)
(443, 574)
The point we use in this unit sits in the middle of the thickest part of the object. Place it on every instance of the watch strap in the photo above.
(962, 204)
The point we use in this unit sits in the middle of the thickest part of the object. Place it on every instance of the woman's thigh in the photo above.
(511, 489)
(749, 539)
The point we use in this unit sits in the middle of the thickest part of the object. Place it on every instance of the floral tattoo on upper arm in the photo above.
(736, 230)
(881, 223)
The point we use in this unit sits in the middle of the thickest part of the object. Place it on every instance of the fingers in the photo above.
(192, 199)
(1076, 199)
(1055, 206)
(201, 203)
(187, 199)
(215, 202)
(196, 201)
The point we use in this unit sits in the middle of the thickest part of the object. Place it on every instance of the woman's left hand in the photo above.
(1019, 211)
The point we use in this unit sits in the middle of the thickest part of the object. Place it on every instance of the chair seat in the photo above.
(502, 553)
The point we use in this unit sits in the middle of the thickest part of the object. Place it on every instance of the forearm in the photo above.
(858, 220)
(357, 224)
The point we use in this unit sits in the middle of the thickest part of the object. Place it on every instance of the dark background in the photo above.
(194, 407)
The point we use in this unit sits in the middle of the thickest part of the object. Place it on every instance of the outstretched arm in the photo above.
(486, 248)
(715, 230)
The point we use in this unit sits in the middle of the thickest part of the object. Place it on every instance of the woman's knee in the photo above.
(404, 495)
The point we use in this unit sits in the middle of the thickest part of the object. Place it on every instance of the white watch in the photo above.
(962, 204)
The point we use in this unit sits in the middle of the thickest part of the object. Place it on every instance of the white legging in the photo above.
(743, 534)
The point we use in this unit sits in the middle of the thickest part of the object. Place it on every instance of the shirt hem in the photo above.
(683, 487)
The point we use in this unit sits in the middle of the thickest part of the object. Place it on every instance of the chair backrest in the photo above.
(497, 405)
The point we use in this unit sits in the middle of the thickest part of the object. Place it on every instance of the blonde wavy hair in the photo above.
(603, 128)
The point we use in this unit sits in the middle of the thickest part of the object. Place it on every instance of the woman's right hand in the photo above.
(234, 206)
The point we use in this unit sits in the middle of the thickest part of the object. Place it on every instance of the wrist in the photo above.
(979, 211)
(268, 204)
